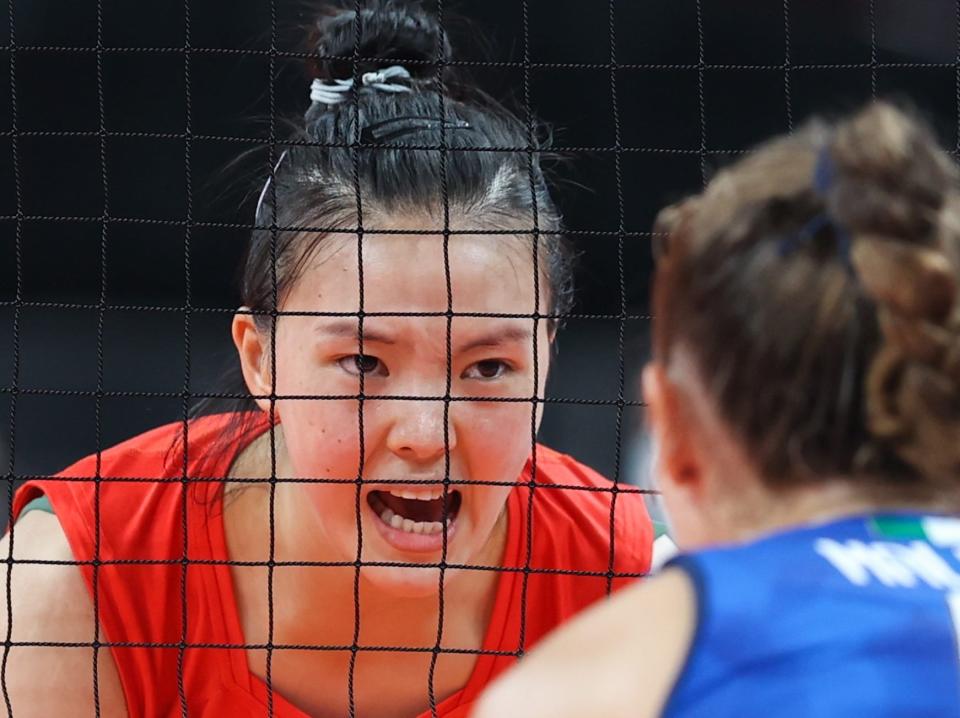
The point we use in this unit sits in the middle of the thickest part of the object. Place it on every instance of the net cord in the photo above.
(275, 313)
(701, 99)
(291, 313)
(535, 241)
(15, 347)
(787, 67)
(622, 286)
(298, 229)
(102, 308)
(98, 402)
(361, 398)
(303, 397)
(956, 72)
(448, 342)
(185, 401)
(872, 14)
(314, 564)
(493, 64)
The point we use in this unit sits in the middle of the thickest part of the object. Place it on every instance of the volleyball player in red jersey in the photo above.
(193, 635)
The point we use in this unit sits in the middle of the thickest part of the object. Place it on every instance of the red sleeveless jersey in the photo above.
(147, 514)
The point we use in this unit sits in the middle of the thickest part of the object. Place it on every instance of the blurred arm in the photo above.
(619, 659)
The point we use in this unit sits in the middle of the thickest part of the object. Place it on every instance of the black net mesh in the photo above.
(681, 84)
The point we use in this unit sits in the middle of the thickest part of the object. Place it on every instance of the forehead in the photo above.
(408, 273)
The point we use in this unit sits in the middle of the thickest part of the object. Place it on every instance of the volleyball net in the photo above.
(116, 298)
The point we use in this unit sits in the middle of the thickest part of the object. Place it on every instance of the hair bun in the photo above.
(393, 31)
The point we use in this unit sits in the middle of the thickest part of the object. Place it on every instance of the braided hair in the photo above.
(821, 306)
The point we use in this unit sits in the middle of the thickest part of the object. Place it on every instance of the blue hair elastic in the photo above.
(824, 176)
(824, 172)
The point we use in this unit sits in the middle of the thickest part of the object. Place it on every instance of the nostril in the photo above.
(421, 450)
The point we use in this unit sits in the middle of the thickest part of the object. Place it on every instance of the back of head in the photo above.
(814, 284)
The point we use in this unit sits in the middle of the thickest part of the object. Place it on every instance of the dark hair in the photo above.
(316, 182)
(490, 169)
(821, 312)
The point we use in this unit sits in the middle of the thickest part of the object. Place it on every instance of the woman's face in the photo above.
(407, 426)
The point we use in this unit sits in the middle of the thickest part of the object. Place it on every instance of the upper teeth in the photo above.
(424, 494)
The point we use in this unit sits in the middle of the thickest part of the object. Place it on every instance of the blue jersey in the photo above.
(852, 618)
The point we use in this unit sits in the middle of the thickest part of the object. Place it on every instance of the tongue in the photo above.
(413, 509)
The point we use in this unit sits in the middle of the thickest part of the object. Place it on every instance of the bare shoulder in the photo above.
(620, 658)
(50, 603)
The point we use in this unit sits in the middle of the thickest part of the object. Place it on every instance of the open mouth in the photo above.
(416, 511)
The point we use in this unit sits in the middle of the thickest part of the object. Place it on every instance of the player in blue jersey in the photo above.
(804, 396)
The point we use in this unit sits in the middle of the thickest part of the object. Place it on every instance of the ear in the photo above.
(254, 356)
(678, 461)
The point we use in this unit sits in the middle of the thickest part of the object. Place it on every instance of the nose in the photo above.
(417, 431)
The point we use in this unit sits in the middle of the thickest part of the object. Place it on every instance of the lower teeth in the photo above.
(401, 523)
(409, 525)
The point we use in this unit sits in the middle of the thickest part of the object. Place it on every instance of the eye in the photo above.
(358, 364)
(486, 369)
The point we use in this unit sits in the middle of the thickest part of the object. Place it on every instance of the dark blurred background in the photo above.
(692, 90)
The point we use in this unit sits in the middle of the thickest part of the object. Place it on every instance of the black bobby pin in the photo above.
(397, 127)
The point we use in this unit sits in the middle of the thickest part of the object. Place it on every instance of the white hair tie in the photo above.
(333, 92)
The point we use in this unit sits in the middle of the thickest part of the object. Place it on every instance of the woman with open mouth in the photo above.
(375, 532)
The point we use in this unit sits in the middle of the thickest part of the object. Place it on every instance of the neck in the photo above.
(758, 510)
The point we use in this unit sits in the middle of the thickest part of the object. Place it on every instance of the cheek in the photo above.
(321, 437)
(504, 424)
(336, 504)
(494, 439)
(487, 505)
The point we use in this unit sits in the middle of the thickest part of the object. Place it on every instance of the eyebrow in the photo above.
(498, 337)
(351, 329)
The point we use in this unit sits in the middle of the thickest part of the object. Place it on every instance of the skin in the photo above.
(51, 603)
(594, 666)
(403, 440)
